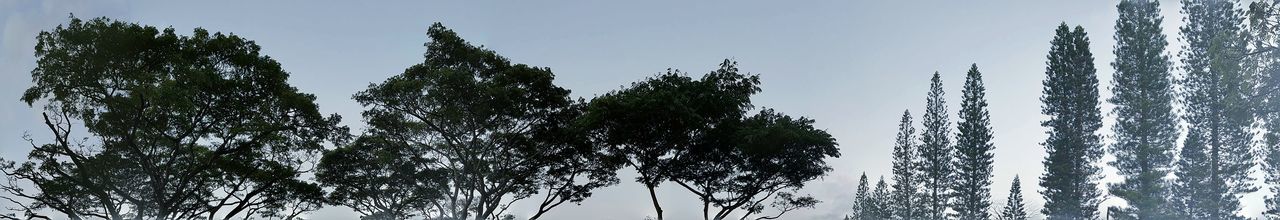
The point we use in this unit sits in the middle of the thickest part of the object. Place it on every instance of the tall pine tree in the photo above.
(1146, 128)
(880, 197)
(1264, 28)
(1216, 157)
(905, 181)
(862, 200)
(1014, 207)
(1071, 102)
(972, 186)
(935, 153)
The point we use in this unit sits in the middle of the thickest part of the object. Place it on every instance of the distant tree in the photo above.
(862, 200)
(935, 153)
(881, 199)
(1216, 157)
(177, 127)
(381, 178)
(1146, 127)
(1071, 102)
(972, 186)
(654, 122)
(905, 158)
(1014, 207)
(498, 132)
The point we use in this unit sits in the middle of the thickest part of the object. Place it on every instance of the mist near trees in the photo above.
(149, 123)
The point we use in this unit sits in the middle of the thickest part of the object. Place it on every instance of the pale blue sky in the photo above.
(854, 66)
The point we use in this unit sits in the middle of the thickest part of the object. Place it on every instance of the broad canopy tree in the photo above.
(697, 134)
(380, 178)
(175, 127)
(495, 132)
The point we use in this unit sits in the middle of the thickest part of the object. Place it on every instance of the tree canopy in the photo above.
(177, 127)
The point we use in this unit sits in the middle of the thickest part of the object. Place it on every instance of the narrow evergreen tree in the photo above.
(905, 184)
(1071, 102)
(1216, 158)
(1145, 129)
(881, 199)
(1014, 207)
(935, 153)
(1264, 23)
(862, 200)
(972, 186)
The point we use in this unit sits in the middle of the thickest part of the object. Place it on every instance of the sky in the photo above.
(853, 66)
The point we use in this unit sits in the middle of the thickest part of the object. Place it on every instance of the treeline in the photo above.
(149, 124)
(1214, 110)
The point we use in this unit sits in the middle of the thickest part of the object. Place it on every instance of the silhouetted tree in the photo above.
(178, 127)
(935, 154)
(743, 164)
(696, 133)
(380, 178)
(905, 177)
(1146, 127)
(498, 132)
(1071, 102)
(655, 121)
(972, 186)
(1014, 207)
(1216, 157)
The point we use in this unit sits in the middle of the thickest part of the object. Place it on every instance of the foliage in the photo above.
(1074, 146)
(972, 186)
(498, 132)
(178, 127)
(934, 166)
(906, 189)
(1146, 128)
(1213, 171)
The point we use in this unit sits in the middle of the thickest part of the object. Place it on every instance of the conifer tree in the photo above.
(1145, 130)
(905, 181)
(1071, 102)
(935, 154)
(972, 185)
(1014, 208)
(1264, 33)
(1216, 157)
(862, 199)
(880, 201)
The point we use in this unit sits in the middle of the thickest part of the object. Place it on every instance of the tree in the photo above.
(651, 121)
(1071, 102)
(498, 132)
(1014, 208)
(743, 164)
(972, 186)
(935, 153)
(1264, 60)
(380, 178)
(880, 201)
(697, 134)
(177, 127)
(905, 159)
(1216, 158)
(862, 200)
(1146, 128)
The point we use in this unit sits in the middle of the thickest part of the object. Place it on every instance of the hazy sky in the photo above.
(853, 66)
